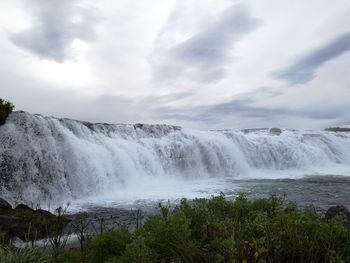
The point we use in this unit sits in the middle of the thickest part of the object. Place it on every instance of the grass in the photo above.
(27, 255)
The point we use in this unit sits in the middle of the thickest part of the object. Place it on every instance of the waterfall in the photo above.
(46, 158)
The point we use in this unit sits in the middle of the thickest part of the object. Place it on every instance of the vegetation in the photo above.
(6, 108)
(27, 255)
(218, 230)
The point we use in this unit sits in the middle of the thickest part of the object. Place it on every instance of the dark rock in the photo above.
(4, 204)
(338, 210)
(138, 125)
(254, 130)
(5, 235)
(43, 212)
(23, 207)
(24, 222)
(5, 219)
(338, 129)
(12, 226)
(276, 131)
(17, 230)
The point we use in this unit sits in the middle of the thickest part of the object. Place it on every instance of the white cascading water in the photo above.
(55, 160)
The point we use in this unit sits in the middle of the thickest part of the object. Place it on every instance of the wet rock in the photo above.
(24, 222)
(42, 212)
(23, 207)
(276, 131)
(338, 129)
(138, 125)
(11, 226)
(338, 210)
(4, 204)
(5, 235)
(245, 131)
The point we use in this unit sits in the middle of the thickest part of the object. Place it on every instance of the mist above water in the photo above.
(50, 160)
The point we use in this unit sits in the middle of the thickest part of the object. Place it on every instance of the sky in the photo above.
(220, 64)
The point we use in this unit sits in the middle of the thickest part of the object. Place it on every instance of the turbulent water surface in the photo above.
(58, 160)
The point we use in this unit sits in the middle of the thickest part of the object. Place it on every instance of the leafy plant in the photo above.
(6, 108)
(107, 245)
(137, 251)
(26, 255)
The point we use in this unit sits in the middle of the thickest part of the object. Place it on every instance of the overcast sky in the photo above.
(199, 64)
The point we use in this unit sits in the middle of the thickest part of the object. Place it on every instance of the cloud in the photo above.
(245, 107)
(55, 26)
(204, 55)
(30, 95)
(241, 105)
(304, 69)
(201, 59)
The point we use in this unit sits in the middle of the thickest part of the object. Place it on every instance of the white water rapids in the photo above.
(56, 160)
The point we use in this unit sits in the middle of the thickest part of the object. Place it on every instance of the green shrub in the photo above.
(168, 235)
(211, 228)
(68, 256)
(304, 236)
(6, 108)
(108, 245)
(263, 231)
(137, 251)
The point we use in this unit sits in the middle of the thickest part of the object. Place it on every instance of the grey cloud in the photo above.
(55, 25)
(245, 107)
(241, 105)
(304, 69)
(173, 97)
(239, 108)
(204, 55)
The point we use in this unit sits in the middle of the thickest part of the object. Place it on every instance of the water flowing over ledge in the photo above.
(54, 160)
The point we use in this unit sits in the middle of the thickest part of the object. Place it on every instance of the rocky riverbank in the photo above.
(22, 223)
(28, 224)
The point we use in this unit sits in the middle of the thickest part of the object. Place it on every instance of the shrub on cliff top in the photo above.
(6, 108)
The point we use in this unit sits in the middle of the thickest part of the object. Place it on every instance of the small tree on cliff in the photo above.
(6, 108)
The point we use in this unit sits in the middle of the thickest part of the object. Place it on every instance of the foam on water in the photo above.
(57, 160)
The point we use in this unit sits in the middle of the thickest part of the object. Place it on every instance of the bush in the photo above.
(137, 251)
(107, 245)
(6, 108)
(169, 236)
(67, 256)
(264, 231)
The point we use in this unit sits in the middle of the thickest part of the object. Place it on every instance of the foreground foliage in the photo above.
(27, 255)
(6, 108)
(218, 230)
